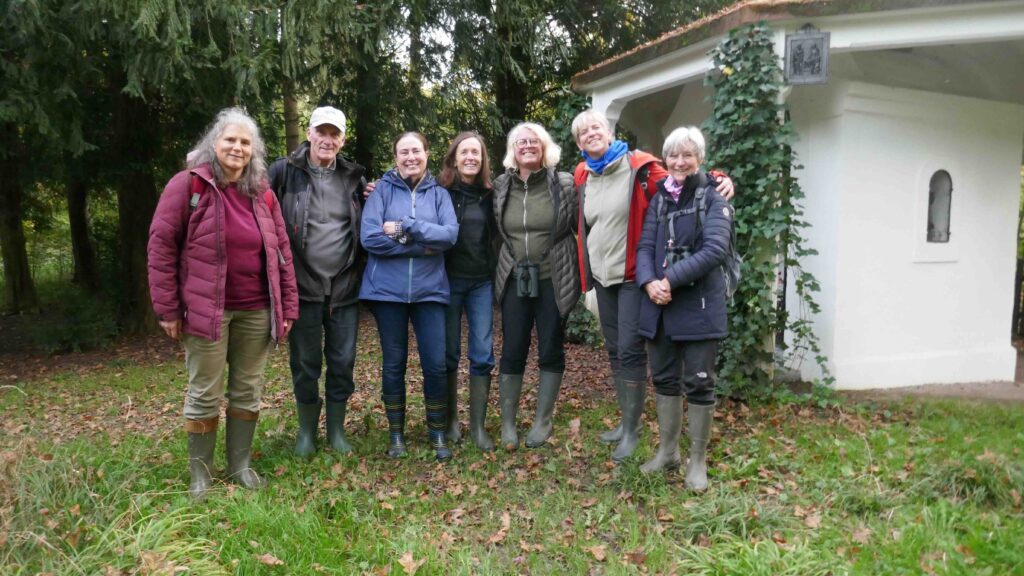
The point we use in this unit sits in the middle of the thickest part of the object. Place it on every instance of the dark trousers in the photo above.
(393, 325)
(692, 363)
(321, 333)
(476, 298)
(518, 316)
(619, 308)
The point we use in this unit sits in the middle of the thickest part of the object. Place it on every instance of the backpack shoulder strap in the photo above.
(642, 175)
(195, 190)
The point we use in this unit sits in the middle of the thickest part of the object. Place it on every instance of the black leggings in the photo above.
(518, 316)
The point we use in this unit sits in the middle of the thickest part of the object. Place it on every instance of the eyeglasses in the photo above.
(524, 142)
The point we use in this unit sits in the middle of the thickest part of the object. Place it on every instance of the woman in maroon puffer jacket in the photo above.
(221, 280)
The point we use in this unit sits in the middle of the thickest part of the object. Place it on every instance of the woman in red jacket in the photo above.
(221, 280)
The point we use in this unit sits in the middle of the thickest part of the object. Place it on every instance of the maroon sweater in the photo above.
(246, 287)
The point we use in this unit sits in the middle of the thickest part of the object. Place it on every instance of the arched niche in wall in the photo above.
(940, 200)
(937, 210)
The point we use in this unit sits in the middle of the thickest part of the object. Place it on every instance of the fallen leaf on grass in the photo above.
(637, 557)
(270, 560)
(862, 535)
(598, 552)
(409, 565)
(588, 503)
(813, 521)
(574, 428)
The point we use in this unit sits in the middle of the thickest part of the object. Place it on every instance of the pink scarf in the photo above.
(674, 188)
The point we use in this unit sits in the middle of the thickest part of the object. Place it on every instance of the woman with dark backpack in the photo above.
(615, 186)
(679, 265)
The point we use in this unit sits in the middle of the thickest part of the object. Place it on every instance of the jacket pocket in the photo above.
(280, 256)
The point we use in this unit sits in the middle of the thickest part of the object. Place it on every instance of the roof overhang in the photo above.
(696, 38)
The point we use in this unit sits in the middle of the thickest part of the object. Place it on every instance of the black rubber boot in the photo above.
(336, 427)
(670, 425)
(436, 425)
(510, 388)
(615, 434)
(633, 394)
(454, 432)
(241, 427)
(394, 408)
(202, 441)
(543, 420)
(309, 422)
(700, 418)
(479, 390)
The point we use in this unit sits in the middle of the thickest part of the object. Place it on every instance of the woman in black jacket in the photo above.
(465, 172)
(685, 240)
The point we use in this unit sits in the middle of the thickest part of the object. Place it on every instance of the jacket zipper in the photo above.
(526, 233)
(412, 193)
(270, 285)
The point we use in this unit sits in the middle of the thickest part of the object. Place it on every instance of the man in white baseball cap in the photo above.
(321, 194)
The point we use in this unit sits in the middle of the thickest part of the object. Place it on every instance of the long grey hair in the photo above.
(254, 176)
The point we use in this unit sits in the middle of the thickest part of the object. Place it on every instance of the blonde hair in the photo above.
(584, 119)
(552, 152)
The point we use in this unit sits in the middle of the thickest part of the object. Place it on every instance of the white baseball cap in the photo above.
(327, 115)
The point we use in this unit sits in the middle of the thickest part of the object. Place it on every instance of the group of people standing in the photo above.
(242, 255)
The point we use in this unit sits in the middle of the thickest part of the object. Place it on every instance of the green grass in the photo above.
(93, 479)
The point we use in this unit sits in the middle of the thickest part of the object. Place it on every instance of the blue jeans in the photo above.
(318, 333)
(393, 326)
(475, 296)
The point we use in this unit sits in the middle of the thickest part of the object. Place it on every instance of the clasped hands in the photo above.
(659, 291)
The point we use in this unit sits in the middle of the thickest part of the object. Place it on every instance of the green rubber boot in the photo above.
(633, 394)
(479, 390)
(547, 395)
(309, 422)
(241, 427)
(202, 441)
(700, 418)
(336, 427)
(670, 425)
(454, 431)
(510, 388)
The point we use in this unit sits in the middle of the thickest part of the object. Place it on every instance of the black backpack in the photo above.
(731, 268)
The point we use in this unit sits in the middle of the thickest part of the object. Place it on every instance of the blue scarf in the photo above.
(617, 150)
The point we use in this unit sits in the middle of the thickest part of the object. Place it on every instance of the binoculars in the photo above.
(527, 280)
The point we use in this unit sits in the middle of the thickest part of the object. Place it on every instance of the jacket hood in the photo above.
(395, 179)
(204, 171)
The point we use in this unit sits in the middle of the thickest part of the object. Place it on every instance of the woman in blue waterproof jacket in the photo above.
(678, 263)
(407, 224)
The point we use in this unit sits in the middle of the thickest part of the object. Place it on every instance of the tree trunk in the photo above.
(86, 274)
(367, 121)
(511, 91)
(137, 141)
(292, 130)
(19, 290)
